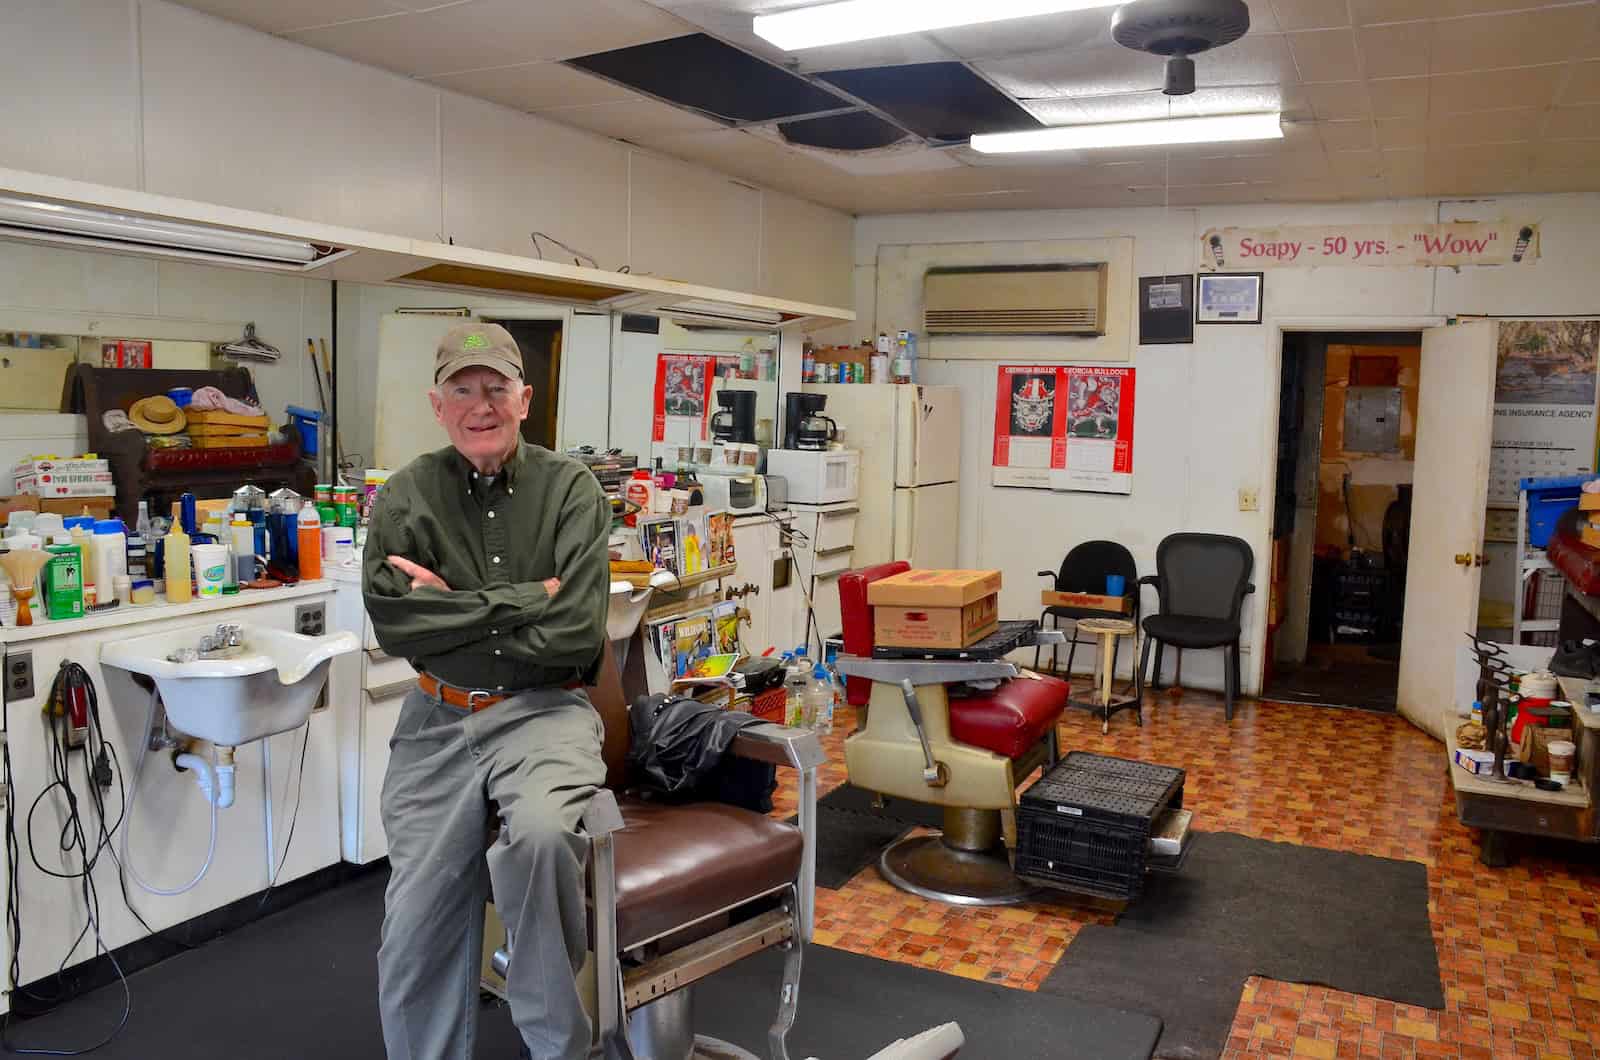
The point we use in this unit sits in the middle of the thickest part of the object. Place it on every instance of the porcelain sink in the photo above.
(266, 685)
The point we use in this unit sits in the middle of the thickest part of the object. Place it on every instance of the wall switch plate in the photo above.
(1249, 500)
(19, 676)
(311, 620)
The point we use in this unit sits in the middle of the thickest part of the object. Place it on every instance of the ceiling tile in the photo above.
(1547, 181)
(1225, 170)
(1485, 127)
(1371, 12)
(282, 16)
(1213, 194)
(1346, 135)
(536, 86)
(641, 121)
(1584, 87)
(1393, 51)
(1339, 100)
(730, 20)
(1071, 31)
(1400, 97)
(1567, 154)
(1105, 71)
(1146, 106)
(941, 101)
(1303, 191)
(477, 34)
(1325, 55)
(1310, 14)
(1574, 123)
(1402, 133)
(1257, 59)
(1362, 165)
(1531, 86)
(1525, 38)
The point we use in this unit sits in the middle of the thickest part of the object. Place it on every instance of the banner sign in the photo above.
(1544, 403)
(1307, 246)
(1064, 427)
(682, 396)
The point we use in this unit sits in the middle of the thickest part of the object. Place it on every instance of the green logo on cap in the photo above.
(474, 342)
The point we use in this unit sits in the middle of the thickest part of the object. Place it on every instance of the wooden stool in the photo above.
(1108, 630)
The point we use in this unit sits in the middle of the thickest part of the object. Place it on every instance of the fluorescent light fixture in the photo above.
(85, 226)
(1217, 128)
(719, 312)
(853, 20)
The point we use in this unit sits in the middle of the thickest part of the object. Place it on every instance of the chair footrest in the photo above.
(684, 966)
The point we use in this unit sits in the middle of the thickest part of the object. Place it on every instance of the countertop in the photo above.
(129, 615)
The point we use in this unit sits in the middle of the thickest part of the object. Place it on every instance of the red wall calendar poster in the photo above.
(682, 397)
(1064, 427)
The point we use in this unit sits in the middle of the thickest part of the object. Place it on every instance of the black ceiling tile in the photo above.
(941, 101)
(704, 74)
(860, 131)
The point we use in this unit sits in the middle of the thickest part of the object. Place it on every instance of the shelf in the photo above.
(132, 614)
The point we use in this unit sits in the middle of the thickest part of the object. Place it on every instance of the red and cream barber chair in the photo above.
(956, 733)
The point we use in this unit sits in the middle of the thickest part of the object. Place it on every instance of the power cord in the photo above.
(101, 767)
(288, 841)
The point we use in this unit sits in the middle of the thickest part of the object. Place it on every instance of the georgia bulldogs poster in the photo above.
(1064, 427)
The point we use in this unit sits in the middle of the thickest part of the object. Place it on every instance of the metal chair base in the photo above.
(929, 867)
(664, 1030)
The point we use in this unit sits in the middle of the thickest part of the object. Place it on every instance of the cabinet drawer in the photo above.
(835, 530)
(383, 671)
(819, 564)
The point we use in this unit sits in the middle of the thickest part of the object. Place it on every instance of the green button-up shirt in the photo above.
(494, 540)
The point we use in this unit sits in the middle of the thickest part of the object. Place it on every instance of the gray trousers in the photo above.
(536, 757)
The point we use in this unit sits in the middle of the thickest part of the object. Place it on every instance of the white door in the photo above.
(928, 429)
(405, 425)
(926, 519)
(1455, 419)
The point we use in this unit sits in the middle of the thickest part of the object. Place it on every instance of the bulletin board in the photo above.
(1544, 403)
(682, 401)
(1064, 427)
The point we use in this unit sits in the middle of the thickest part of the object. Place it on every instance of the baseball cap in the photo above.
(486, 345)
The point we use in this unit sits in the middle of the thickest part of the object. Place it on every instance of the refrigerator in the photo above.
(909, 437)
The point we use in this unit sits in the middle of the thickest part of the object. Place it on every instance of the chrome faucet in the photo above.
(225, 637)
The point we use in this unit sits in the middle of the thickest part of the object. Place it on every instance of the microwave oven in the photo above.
(734, 493)
(825, 476)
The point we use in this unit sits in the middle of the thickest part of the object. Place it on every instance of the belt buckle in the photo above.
(473, 697)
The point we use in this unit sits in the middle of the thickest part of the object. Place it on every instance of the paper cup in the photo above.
(1562, 752)
(210, 568)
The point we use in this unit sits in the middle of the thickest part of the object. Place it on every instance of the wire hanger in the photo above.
(249, 348)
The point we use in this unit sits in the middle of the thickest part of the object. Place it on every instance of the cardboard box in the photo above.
(1591, 535)
(935, 627)
(934, 588)
(1589, 502)
(92, 484)
(1111, 605)
(68, 507)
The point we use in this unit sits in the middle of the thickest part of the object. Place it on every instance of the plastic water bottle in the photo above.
(818, 710)
(797, 677)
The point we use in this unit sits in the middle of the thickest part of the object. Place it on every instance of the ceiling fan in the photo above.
(1179, 29)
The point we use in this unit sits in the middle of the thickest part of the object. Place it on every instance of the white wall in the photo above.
(1206, 413)
(149, 95)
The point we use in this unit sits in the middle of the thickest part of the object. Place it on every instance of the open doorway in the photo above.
(1346, 450)
(540, 343)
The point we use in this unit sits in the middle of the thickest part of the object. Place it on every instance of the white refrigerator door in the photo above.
(928, 435)
(926, 521)
(406, 427)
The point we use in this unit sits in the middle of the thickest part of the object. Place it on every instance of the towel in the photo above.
(210, 398)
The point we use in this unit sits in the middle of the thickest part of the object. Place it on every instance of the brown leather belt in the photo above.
(470, 699)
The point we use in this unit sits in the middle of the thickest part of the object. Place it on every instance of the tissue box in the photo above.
(1478, 763)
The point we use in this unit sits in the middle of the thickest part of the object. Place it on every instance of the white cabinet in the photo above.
(777, 610)
(371, 686)
(824, 548)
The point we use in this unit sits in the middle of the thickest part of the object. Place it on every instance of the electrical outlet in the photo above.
(19, 676)
(1249, 500)
(311, 620)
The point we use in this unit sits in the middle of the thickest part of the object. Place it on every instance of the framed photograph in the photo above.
(1166, 309)
(1228, 298)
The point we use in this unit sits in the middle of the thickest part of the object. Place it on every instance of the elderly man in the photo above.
(485, 566)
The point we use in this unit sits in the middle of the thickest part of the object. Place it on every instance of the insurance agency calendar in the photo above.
(1544, 403)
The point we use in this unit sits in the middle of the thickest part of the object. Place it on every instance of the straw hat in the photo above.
(158, 415)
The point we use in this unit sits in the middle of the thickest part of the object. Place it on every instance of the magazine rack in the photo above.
(643, 673)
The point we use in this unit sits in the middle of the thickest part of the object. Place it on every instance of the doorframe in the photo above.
(1261, 537)
(560, 315)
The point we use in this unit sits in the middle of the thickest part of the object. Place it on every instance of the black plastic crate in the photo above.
(1085, 825)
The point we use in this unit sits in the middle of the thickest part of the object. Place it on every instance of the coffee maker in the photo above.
(735, 421)
(804, 425)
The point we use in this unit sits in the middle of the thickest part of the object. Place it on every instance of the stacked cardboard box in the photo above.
(1590, 504)
(226, 430)
(48, 477)
(935, 608)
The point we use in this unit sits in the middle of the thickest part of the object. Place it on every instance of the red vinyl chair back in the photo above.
(856, 616)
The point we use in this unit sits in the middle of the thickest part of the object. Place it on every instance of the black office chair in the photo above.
(1202, 580)
(1084, 571)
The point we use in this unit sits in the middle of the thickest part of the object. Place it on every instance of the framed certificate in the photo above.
(1228, 298)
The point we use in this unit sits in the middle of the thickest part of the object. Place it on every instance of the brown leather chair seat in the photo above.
(677, 863)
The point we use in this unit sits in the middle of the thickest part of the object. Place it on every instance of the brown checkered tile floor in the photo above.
(1519, 948)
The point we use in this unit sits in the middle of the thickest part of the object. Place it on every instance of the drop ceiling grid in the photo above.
(1388, 96)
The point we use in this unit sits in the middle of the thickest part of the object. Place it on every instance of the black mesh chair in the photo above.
(1202, 580)
(1084, 571)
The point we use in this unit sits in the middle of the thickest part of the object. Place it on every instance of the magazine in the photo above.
(692, 539)
(725, 621)
(719, 539)
(709, 669)
(658, 538)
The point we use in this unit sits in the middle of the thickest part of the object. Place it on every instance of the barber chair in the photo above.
(679, 891)
(960, 734)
